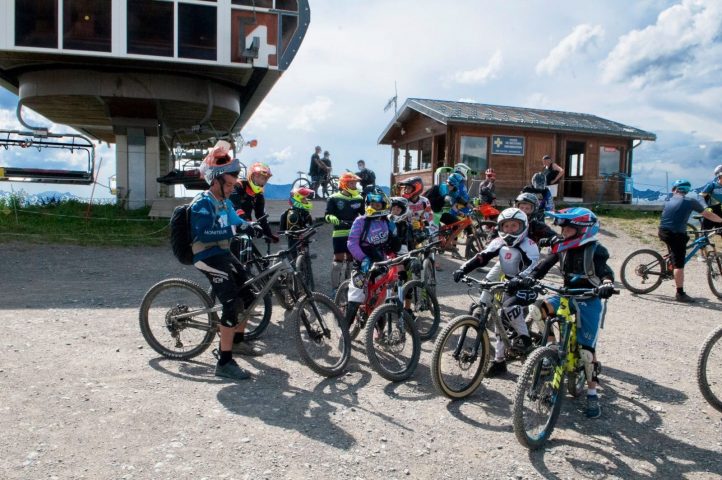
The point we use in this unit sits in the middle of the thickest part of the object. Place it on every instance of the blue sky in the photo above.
(654, 65)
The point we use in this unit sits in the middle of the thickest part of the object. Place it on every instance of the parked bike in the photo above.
(709, 368)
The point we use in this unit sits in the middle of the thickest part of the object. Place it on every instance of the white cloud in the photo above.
(684, 43)
(280, 157)
(482, 74)
(266, 116)
(307, 117)
(580, 38)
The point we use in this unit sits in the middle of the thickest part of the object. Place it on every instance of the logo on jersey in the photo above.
(507, 256)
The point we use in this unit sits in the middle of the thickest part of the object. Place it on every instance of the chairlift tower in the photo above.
(150, 76)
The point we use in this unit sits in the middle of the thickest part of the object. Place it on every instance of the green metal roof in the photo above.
(447, 112)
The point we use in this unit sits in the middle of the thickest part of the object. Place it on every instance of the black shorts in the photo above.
(676, 244)
(340, 246)
(226, 275)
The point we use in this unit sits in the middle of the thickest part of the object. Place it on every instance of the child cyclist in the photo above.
(420, 214)
(298, 216)
(538, 187)
(517, 254)
(583, 264)
(372, 236)
(342, 208)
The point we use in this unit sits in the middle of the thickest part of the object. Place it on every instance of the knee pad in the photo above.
(588, 360)
(486, 297)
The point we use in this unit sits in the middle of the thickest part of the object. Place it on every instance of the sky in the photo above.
(654, 65)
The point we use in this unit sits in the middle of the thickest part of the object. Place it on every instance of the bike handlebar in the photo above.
(540, 288)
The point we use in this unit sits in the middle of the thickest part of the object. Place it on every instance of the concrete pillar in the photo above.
(138, 163)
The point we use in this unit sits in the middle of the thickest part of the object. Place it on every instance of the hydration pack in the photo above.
(180, 234)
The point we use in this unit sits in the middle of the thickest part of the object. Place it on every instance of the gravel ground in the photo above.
(83, 396)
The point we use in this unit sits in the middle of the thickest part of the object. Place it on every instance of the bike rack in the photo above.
(41, 138)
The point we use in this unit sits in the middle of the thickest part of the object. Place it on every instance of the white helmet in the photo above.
(403, 204)
(512, 239)
(718, 171)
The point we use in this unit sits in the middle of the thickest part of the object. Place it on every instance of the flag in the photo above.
(392, 101)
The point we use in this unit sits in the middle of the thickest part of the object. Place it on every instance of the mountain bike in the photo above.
(644, 270)
(424, 306)
(469, 230)
(540, 386)
(179, 320)
(462, 351)
(302, 254)
(709, 368)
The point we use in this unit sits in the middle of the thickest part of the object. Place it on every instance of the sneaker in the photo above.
(683, 298)
(593, 408)
(246, 349)
(232, 370)
(496, 369)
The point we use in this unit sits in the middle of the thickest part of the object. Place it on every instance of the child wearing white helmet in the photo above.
(517, 256)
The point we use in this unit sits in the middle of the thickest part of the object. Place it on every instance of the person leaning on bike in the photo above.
(420, 214)
(212, 217)
(371, 237)
(341, 210)
(517, 254)
(298, 216)
(583, 264)
(673, 230)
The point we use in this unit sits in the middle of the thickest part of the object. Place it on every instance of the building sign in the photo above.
(505, 145)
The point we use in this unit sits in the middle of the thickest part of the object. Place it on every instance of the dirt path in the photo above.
(83, 396)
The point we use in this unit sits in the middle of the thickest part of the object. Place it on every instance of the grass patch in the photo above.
(72, 222)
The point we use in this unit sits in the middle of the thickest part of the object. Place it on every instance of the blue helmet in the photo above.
(682, 186)
(455, 180)
(585, 222)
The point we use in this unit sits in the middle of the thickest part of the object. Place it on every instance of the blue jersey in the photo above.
(712, 192)
(211, 222)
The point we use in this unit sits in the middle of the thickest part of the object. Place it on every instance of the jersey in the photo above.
(676, 213)
(712, 193)
(211, 222)
(346, 209)
(420, 211)
(244, 198)
(517, 260)
(583, 267)
(373, 238)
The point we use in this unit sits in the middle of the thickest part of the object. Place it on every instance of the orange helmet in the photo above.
(345, 181)
(258, 168)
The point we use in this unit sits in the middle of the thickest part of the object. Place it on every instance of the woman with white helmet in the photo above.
(517, 256)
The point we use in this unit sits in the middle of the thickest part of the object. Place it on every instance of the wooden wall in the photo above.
(513, 172)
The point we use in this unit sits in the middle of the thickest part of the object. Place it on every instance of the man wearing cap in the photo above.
(553, 174)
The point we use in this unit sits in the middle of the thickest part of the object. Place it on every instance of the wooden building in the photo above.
(595, 153)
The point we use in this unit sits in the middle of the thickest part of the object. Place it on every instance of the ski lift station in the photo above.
(161, 79)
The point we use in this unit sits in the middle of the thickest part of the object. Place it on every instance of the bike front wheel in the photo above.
(424, 308)
(428, 274)
(301, 183)
(538, 398)
(392, 342)
(321, 335)
(714, 274)
(460, 357)
(643, 271)
(175, 319)
(709, 369)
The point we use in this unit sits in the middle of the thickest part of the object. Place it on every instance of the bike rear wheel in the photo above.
(643, 271)
(165, 328)
(424, 307)
(709, 369)
(460, 357)
(392, 342)
(538, 399)
(714, 274)
(301, 183)
(321, 335)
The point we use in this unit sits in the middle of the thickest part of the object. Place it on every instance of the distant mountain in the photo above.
(41, 198)
(648, 195)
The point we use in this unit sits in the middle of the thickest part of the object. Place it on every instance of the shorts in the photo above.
(676, 244)
(590, 314)
(226, 275)
(340, 246)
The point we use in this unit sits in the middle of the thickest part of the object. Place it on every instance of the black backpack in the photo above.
(180, 234)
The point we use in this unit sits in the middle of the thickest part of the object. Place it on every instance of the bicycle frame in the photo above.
(449, 233)
(568, 344)
(497, 290)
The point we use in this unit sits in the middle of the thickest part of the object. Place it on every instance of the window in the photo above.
(609, 160)
(254, 3)
(425, 150)
(289, 24)
(576, 163)
(291, 5)
(150, 27)
(197, 31)
(86, 25)
(474, 152)
(36, 23)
